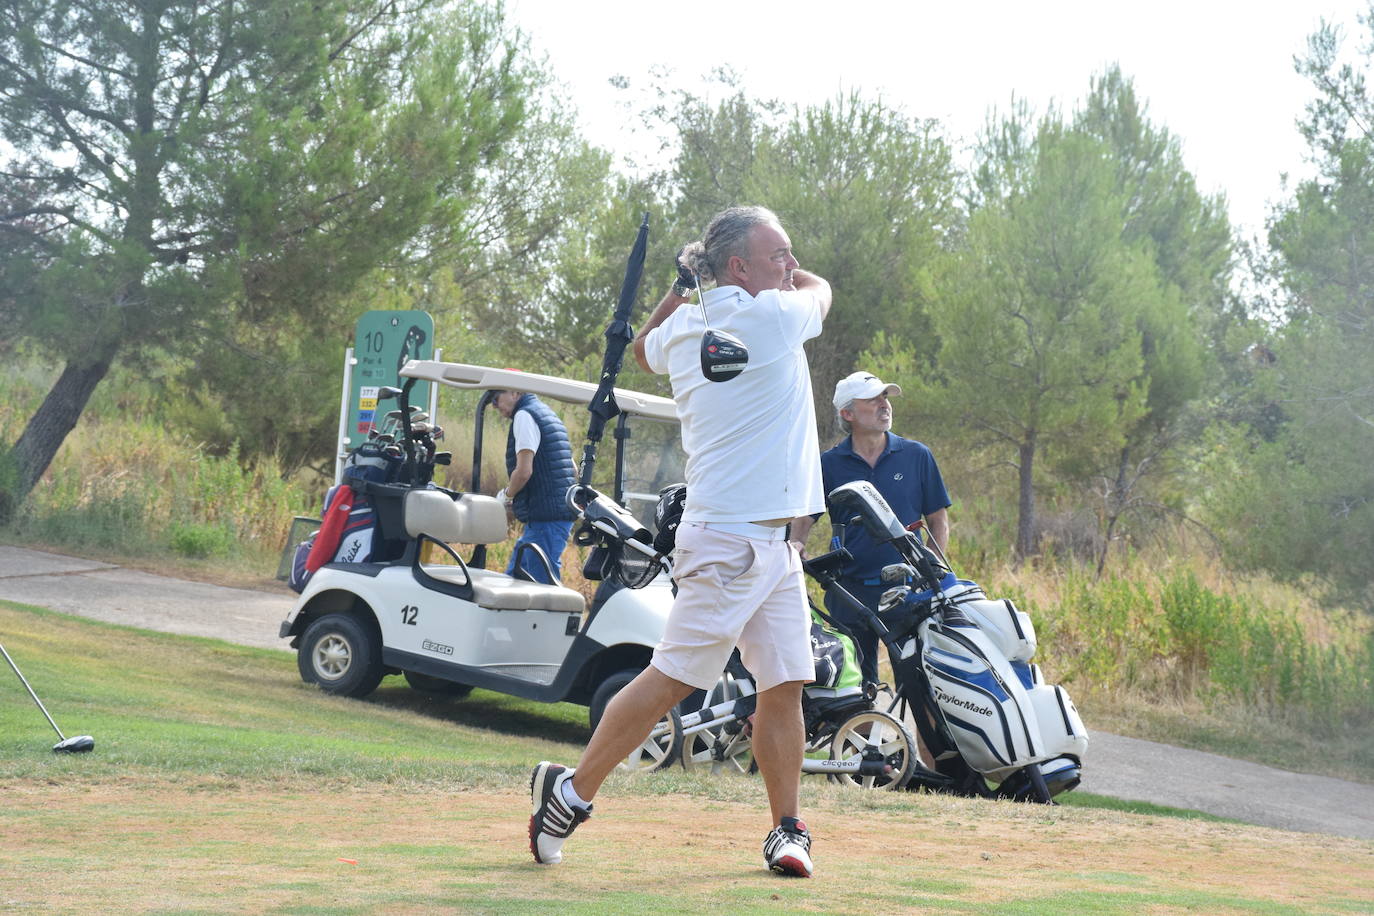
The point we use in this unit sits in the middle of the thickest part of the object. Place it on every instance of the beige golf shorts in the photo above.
(736, 589)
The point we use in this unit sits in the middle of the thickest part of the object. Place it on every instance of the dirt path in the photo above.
(1116, 766)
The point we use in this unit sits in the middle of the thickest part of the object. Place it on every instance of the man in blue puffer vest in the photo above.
(540, 464)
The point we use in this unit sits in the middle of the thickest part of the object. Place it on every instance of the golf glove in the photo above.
(501, 495)
(685, 278)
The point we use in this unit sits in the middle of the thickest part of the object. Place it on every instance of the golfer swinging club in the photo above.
(753, 465)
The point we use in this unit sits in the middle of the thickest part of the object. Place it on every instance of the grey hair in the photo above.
(845, 425)
(726, 236)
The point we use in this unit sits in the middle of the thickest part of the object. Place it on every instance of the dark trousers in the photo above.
(865, 640)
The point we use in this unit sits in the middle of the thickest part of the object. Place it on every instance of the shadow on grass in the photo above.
(566, 722)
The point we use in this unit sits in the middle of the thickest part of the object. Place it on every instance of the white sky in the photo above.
(1217, 73)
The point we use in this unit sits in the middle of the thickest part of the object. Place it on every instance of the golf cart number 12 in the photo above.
(409, 614)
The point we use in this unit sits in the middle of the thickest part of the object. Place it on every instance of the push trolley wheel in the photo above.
(874, 735)
(733, 753)
(721, 749)
(661, 749)
(726, 746)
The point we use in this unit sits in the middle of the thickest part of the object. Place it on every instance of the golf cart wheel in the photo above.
(612, 685)
(428, 684)
(872, 734)
(662, 748)
(341, 655)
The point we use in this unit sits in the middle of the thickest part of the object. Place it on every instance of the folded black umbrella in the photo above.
(619, 333)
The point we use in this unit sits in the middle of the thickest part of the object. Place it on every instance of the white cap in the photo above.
(858, 386)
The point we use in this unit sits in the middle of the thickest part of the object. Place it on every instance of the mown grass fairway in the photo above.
(221, 784)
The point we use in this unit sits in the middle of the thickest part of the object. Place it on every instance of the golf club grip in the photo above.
(875, 623)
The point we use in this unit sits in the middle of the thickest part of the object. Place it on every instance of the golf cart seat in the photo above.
(500, 592)
(476, 519)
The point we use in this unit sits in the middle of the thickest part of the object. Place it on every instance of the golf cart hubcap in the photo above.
(333, 655)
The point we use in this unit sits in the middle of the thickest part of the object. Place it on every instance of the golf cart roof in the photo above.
(477, 378)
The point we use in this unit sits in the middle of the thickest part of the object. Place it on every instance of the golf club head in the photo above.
(77, 744)
(723, 355)
(896, 573)
(386, 393)
(862, 502)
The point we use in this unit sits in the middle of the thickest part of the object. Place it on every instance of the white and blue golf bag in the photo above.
(962, 663)
(976, 654)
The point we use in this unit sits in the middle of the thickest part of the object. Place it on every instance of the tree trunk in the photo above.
(1025, 523)
(1115, 505)
(48, 427)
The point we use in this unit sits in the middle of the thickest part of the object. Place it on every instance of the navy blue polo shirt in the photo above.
(909, 479)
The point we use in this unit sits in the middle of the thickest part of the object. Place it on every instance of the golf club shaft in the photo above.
(22, 680)
(701, 301)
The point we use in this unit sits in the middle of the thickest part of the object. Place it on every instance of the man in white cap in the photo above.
(905, 473)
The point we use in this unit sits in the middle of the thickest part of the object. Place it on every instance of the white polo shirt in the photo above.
(752, 452)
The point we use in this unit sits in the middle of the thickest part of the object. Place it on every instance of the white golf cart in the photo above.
(448, 623)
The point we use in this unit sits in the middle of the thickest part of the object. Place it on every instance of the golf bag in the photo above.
(975, 655)
(300, 573)
(961, 664)
(347, 526)
(838, 680)
(622, 553)
(836, 661)
(348, 522)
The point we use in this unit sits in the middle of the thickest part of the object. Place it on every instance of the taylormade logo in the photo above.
(951, 700)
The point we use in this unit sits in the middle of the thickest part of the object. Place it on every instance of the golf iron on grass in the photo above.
(78, 744)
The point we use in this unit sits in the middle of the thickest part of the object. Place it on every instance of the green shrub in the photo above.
(1202, 628)
(1187, 641)
(105, 515)
(199, 541)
